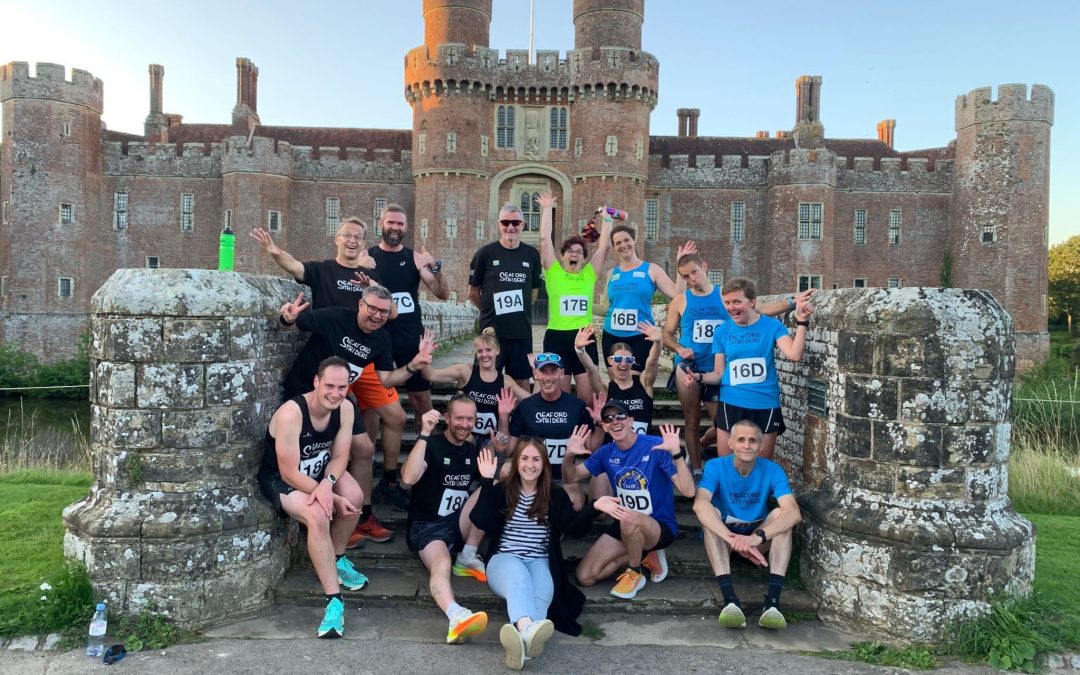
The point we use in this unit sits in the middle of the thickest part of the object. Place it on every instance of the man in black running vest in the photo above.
(401, 270)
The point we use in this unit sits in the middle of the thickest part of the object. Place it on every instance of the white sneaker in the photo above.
(470, 566)
(656, 563)
(732, 617)
(514, 644)
(773, 619)
(464, 624)
(536, 636)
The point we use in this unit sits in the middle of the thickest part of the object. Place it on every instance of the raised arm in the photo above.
(663, 282)
(416, 464)
(793, 348)
(600, 307)
(686, 249)
(599, 258)
(547, 245)
(653, 334)
(787, 304)
(584, 337)
(283, 259)
(435, 281)
(457, 374)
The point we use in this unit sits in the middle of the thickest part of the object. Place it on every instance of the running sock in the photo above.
(365, 512)
(726, 588)
(452, 610)
(468, 552)
(389, 476)
(776, 585)
(334, 596)
(639, 569)
(338, 556)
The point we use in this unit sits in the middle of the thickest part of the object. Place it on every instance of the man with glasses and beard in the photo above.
(504, 278)
(401, 270)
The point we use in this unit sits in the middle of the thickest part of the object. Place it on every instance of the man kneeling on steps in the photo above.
(303, 475)
(732, 503)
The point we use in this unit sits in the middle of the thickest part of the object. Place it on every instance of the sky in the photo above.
(340, 63)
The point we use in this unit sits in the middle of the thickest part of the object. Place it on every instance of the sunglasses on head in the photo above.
(619, 358)
(613, 417)
(510, 223)
(548, 357)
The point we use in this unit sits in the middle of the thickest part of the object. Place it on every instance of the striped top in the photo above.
(523, 536)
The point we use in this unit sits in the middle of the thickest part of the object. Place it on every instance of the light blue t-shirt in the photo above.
(743, 503)
(629, 300)
(749, 379)
(640, 477)
(697, 326)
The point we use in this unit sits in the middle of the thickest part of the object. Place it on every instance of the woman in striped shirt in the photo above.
(525, 517)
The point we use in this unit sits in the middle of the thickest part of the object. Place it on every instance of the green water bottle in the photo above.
(226, 249)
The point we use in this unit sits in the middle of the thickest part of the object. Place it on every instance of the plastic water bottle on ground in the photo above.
(95, 644)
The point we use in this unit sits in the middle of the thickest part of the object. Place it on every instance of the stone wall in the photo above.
(186, 371)
(898, 433)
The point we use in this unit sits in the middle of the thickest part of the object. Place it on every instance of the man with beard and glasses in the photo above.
(401, 270)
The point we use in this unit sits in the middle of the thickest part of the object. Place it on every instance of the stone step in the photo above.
(408, 587)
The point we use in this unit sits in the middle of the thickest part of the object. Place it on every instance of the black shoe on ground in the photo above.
(392, 493)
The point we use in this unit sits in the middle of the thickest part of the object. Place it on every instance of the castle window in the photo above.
(451, 141)
(376, 214)
(860, 226)
(716, 277)
(3, 285)
(66, 129)
(652, 219)
(894, 282)
(451, 228)
(5, 212)
(738, 221)
(894, 226)
(504, 127)
(479, 229)
(67, 214)
(810, 220)
(578, 148)
(483, 145)
(273, 221)
(611, 147)
(989, 233)
(65, 286)
(859, 282)
(187, 211)
(558, 129)
(639, 149)
(152, 262)
(530, 210)
(421, 144)
(228, 218)
(120, 211)
(808, 281)
(423, 228)
(333, 215)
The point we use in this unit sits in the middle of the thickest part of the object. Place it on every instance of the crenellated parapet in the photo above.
(703, 171)
(454, 70)
(50, 83)
(894, 174)
(161, 159)
(351, 164)
(1012, 104)
(802, 166)
(257, 155)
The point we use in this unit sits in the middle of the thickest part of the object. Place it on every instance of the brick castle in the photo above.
(790, 209)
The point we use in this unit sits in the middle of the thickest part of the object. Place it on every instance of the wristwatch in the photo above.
(803, 323)
(436, 266)
(410, 370)
(579, 350)
(681, 455)
(761, 533)
(422, 437)
(332, 478)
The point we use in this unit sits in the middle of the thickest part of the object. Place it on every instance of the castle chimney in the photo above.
(245, 112)
(781, 134)
(694, 113)
(808, 99)
(885, 130)
(157, 75)
(684, 114)
(761, 135)
(156, 125)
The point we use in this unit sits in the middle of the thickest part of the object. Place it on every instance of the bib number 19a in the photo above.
(508, 302)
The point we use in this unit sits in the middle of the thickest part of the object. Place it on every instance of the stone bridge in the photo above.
(898, 445)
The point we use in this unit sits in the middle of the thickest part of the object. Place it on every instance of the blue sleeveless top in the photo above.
(698, 323)
(629, 300)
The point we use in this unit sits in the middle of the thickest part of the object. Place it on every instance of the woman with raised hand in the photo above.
(482, 381)
(632, 387)
(525, 517)
(570, 280)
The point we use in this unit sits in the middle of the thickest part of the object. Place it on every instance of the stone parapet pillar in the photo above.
(898, 420)
(186, 369)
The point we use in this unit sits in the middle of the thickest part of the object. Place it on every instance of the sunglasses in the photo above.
(510, 223)
(613, 417)
(113, 654)
(619, 358)
(548, 357)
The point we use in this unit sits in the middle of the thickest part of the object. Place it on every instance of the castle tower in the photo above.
(466, 22)
(51, 185)
(1000, 204)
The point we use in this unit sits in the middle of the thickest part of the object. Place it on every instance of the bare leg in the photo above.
(319, 544)
(341, 527)
(639, 533)
(472, 534)
(690, 400)
(436, 558)
(768, 445)
(604, 558)
(421, 403)
(361, 460)
(393, 418)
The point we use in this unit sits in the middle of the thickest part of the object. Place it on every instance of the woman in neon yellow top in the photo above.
(570, 282)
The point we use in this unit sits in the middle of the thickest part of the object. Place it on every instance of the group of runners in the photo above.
(534, 446)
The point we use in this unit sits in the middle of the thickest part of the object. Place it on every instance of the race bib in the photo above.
(747, 371)
(404, 302)
(640, 427)
(485, 422)
(703, 330)
(636, 500)
(452, 501)
(574, 305)
(508, 302)
(313, 466)
(556, 450)
(624, 319)
(354, 372)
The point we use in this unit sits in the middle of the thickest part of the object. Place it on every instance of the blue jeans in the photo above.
(524, 582)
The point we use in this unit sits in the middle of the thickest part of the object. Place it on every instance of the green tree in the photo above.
(1064, 286)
